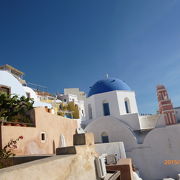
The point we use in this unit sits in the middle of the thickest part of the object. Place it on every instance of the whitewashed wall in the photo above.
(116, 130)
(132, 120)
(151, 121)
(111, 148)
(116, 103)
(31, 92)
(121, 95)
(7, 79)
(91, 101)
(37, 102)
(160, 144)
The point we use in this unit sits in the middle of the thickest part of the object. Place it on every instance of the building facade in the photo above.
(48, 132)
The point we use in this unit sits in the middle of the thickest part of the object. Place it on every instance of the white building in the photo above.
(81, 97)
(11, 85)
(80, 94)
(76, 96)
(112, 115)
(113, 97)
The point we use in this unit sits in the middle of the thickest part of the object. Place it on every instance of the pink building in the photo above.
(49, 132)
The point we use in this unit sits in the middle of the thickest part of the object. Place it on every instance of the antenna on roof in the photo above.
(107, 75)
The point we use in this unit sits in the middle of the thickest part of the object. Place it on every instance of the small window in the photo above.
(127, 105)
(106, 109)
(43, 137)
(104, 137)
(90, 111)
(4, 89)
(28, 95)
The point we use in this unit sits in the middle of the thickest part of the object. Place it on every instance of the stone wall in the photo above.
(77, 164)
(67, 167)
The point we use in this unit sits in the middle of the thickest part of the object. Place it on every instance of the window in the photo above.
(28, 95)
(4, 89)
(43, 137)
(90, 111)
(104, 137)
(106, 109)
(127, 105)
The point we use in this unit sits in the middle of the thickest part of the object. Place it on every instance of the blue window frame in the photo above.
(106, 109)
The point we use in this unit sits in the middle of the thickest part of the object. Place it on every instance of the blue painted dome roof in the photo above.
(106, 85)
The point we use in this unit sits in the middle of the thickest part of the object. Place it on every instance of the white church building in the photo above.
(112, 115)
(112, 98)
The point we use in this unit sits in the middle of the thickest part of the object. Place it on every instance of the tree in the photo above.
(14, 108)
(69, 109)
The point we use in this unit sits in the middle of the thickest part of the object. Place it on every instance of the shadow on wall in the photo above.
(160, 145)
(141, 135)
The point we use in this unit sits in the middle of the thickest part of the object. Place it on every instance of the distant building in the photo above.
(45, 96)
(76, 96)
(75, 91)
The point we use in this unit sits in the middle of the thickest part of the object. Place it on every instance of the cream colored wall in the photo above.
(63, 167)
(51, 124)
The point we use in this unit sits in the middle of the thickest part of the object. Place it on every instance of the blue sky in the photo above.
(73, 43)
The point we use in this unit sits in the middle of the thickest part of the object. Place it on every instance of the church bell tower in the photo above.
(165, 105)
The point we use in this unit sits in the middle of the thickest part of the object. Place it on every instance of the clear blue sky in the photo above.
(73, 43)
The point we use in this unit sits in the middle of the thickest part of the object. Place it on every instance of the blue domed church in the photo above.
(111, 109)
(110, 97)
(112, 116)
